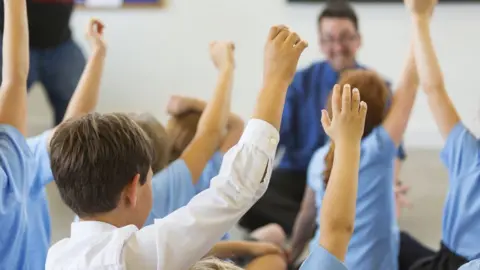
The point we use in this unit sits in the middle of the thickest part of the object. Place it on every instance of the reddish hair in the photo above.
(374, 91)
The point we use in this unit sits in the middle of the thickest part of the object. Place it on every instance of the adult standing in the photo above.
(56, 61)
(301, 131)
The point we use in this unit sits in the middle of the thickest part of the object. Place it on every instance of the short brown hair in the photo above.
(374, 91)
(158, 136)
(182, 129)
(94, 157)
(340, 10)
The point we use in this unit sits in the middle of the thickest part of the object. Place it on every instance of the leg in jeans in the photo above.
(33, 73)
(61, 69)
(411, 251)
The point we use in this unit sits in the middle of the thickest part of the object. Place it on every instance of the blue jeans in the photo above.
(58, 69)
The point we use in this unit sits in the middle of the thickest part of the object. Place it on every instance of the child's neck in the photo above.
(116, 218)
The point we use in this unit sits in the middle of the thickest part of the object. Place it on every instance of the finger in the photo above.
(282, 35)
(274, 30)
(346, 99)
(301, 46)
(363, 111)
(356, 100)
(326, 122)
(292, 39)
(336, 100)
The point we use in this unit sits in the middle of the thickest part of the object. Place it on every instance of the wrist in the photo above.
(347, 145)
(99, 51)
(227, 68)
(421, 18)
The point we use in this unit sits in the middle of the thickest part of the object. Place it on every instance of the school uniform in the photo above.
(461, 215)
(473, 265)
(191, 230)
(375, 240)
(301, 134)
(320, 258)
(173, 187)
(25, 220)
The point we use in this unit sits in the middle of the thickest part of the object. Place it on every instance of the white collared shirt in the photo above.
(179, 240)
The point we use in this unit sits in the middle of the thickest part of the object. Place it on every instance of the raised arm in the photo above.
(431, 77)
(214, 118)
(15, 66)
(337, 215)
(85, 98)
(243, 177)
(403, 99)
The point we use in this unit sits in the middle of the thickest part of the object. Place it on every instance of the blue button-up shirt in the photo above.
(301, 132)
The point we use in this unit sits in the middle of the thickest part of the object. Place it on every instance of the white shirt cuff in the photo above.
(262, 135)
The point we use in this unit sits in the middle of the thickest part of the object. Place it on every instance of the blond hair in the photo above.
(212, 263)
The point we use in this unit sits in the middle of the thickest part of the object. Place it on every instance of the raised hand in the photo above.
(222, 54)
(95, 34)
(348, 115)
(421, 7)
(282, 51)
(178, 105)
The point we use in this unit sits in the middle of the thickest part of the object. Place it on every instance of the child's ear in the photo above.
(131, 191)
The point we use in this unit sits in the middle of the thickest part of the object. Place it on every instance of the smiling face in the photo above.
(338, 36)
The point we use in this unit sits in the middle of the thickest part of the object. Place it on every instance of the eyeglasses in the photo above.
(343, 40)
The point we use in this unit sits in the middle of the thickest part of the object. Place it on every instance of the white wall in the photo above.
(155, 53)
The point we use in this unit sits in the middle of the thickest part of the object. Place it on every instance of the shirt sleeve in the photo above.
(377, 147)
(15, 168)
(461, 151)
(39, 147)
(473, 265)
(195, 228)
(172, 188)
(320, 258)
(210, 171)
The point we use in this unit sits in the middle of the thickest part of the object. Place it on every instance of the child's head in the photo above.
(101, 164)
(374, 91)
(181, 130)
(158, 136)
(214, 264)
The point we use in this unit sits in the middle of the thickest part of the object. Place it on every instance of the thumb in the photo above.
(326, 122)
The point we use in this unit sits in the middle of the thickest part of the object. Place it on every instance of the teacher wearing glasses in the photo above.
(301, 131)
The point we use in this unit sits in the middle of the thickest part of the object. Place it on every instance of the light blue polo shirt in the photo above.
(173, 188)
(461, 214)
(375, 240)
(473, 265)
(319, 259)
(24, 217)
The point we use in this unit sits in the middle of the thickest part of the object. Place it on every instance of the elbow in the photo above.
(339, 227)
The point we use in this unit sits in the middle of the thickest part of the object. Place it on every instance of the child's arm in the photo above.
(232, 249)
(85, 97)
(396, 121)
(16, 63)
(337, 214)
(304, 224)
(431, 77)
(243, 177)
(214, 119)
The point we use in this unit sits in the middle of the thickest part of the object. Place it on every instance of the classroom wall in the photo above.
(154, 53)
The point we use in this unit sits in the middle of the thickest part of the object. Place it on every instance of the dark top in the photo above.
(301, 132)
(48, 22)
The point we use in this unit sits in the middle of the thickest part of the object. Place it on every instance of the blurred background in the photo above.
(156, 52)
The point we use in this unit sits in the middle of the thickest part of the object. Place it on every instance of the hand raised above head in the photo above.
(222, 54)
(178, 105)
(95, 34)
(348, 115)
(282, 51)
(421, 7)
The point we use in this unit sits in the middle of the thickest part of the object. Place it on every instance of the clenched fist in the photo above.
(282, 51)
(221, 53)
